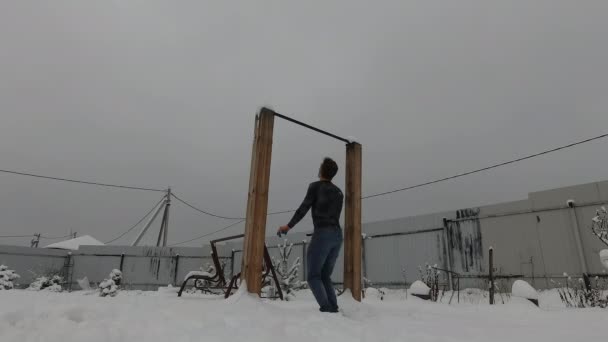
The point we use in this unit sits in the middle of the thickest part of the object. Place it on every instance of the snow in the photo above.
(419, 288)
(522, 289)
(74, 244)
(198, 273)
(161, 316)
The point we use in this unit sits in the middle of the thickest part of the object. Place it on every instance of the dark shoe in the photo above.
(329, 309)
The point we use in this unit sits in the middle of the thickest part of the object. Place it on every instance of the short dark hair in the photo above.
(328, 168)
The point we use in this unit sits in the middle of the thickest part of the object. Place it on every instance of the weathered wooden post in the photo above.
(257, 202)
(352, 221)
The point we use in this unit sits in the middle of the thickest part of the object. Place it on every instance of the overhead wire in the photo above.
(70, 180)
(488, 167)
(451, 177)
(207, 234)
(55, 237)
(138, 222)
(204, 211)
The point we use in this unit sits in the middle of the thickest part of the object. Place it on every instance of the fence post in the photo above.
(122, 261)
(363, 260)
(447, 246)
(304, 265)
(176, 267)
(231, 264)
(491, 252)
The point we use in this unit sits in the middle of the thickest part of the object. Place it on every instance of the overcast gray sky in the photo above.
(163, 93)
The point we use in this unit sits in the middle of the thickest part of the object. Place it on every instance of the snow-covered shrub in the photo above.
(111, 286)
(599, 225)
(429, 275)
(116, 276)
(288, 275)
(577, 294)
(7, 277)
(50, 283)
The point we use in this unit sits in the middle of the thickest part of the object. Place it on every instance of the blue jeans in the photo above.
(321, 258)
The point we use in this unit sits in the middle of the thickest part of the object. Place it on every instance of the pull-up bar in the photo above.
(305, 125)
(257, 205)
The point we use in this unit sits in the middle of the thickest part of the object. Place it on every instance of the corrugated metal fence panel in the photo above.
(95, 268)
(558, 243)
(388, 257)
(31, 262)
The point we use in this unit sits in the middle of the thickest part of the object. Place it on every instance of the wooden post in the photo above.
(352, 221)
(257, 202)
(491, 257)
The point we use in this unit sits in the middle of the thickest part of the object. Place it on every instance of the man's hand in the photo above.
(282, 230)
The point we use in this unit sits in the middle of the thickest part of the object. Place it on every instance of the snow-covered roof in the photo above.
(73, 244)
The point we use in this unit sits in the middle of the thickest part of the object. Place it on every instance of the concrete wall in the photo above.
(534, 239)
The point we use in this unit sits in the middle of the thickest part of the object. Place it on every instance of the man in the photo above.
(326, 200)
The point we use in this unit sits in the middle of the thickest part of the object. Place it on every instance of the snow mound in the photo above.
(74, 244)
(419, 288)
(522, 289)
(352, 309)
(242, 296)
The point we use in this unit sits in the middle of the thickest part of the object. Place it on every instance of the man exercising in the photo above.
(326, 200)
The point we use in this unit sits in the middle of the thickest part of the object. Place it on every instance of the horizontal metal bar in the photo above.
(35, 255)
(115, 256)
(421, 231)
(307, 126)
(227, 238)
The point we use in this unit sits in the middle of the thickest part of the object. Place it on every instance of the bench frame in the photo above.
(218, 281)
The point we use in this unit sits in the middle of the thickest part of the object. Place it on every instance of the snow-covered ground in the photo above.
(162, 316)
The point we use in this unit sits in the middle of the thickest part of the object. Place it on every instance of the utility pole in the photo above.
(164, 225)
(149, 223)
(35, 241)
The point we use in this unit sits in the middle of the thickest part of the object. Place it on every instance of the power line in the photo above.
(224, 217)
(204, 211)
(34, 235)
(205, 235)
(281, 212)
(489, 167)
(138, 222)
(81, 181)
(55, 237)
